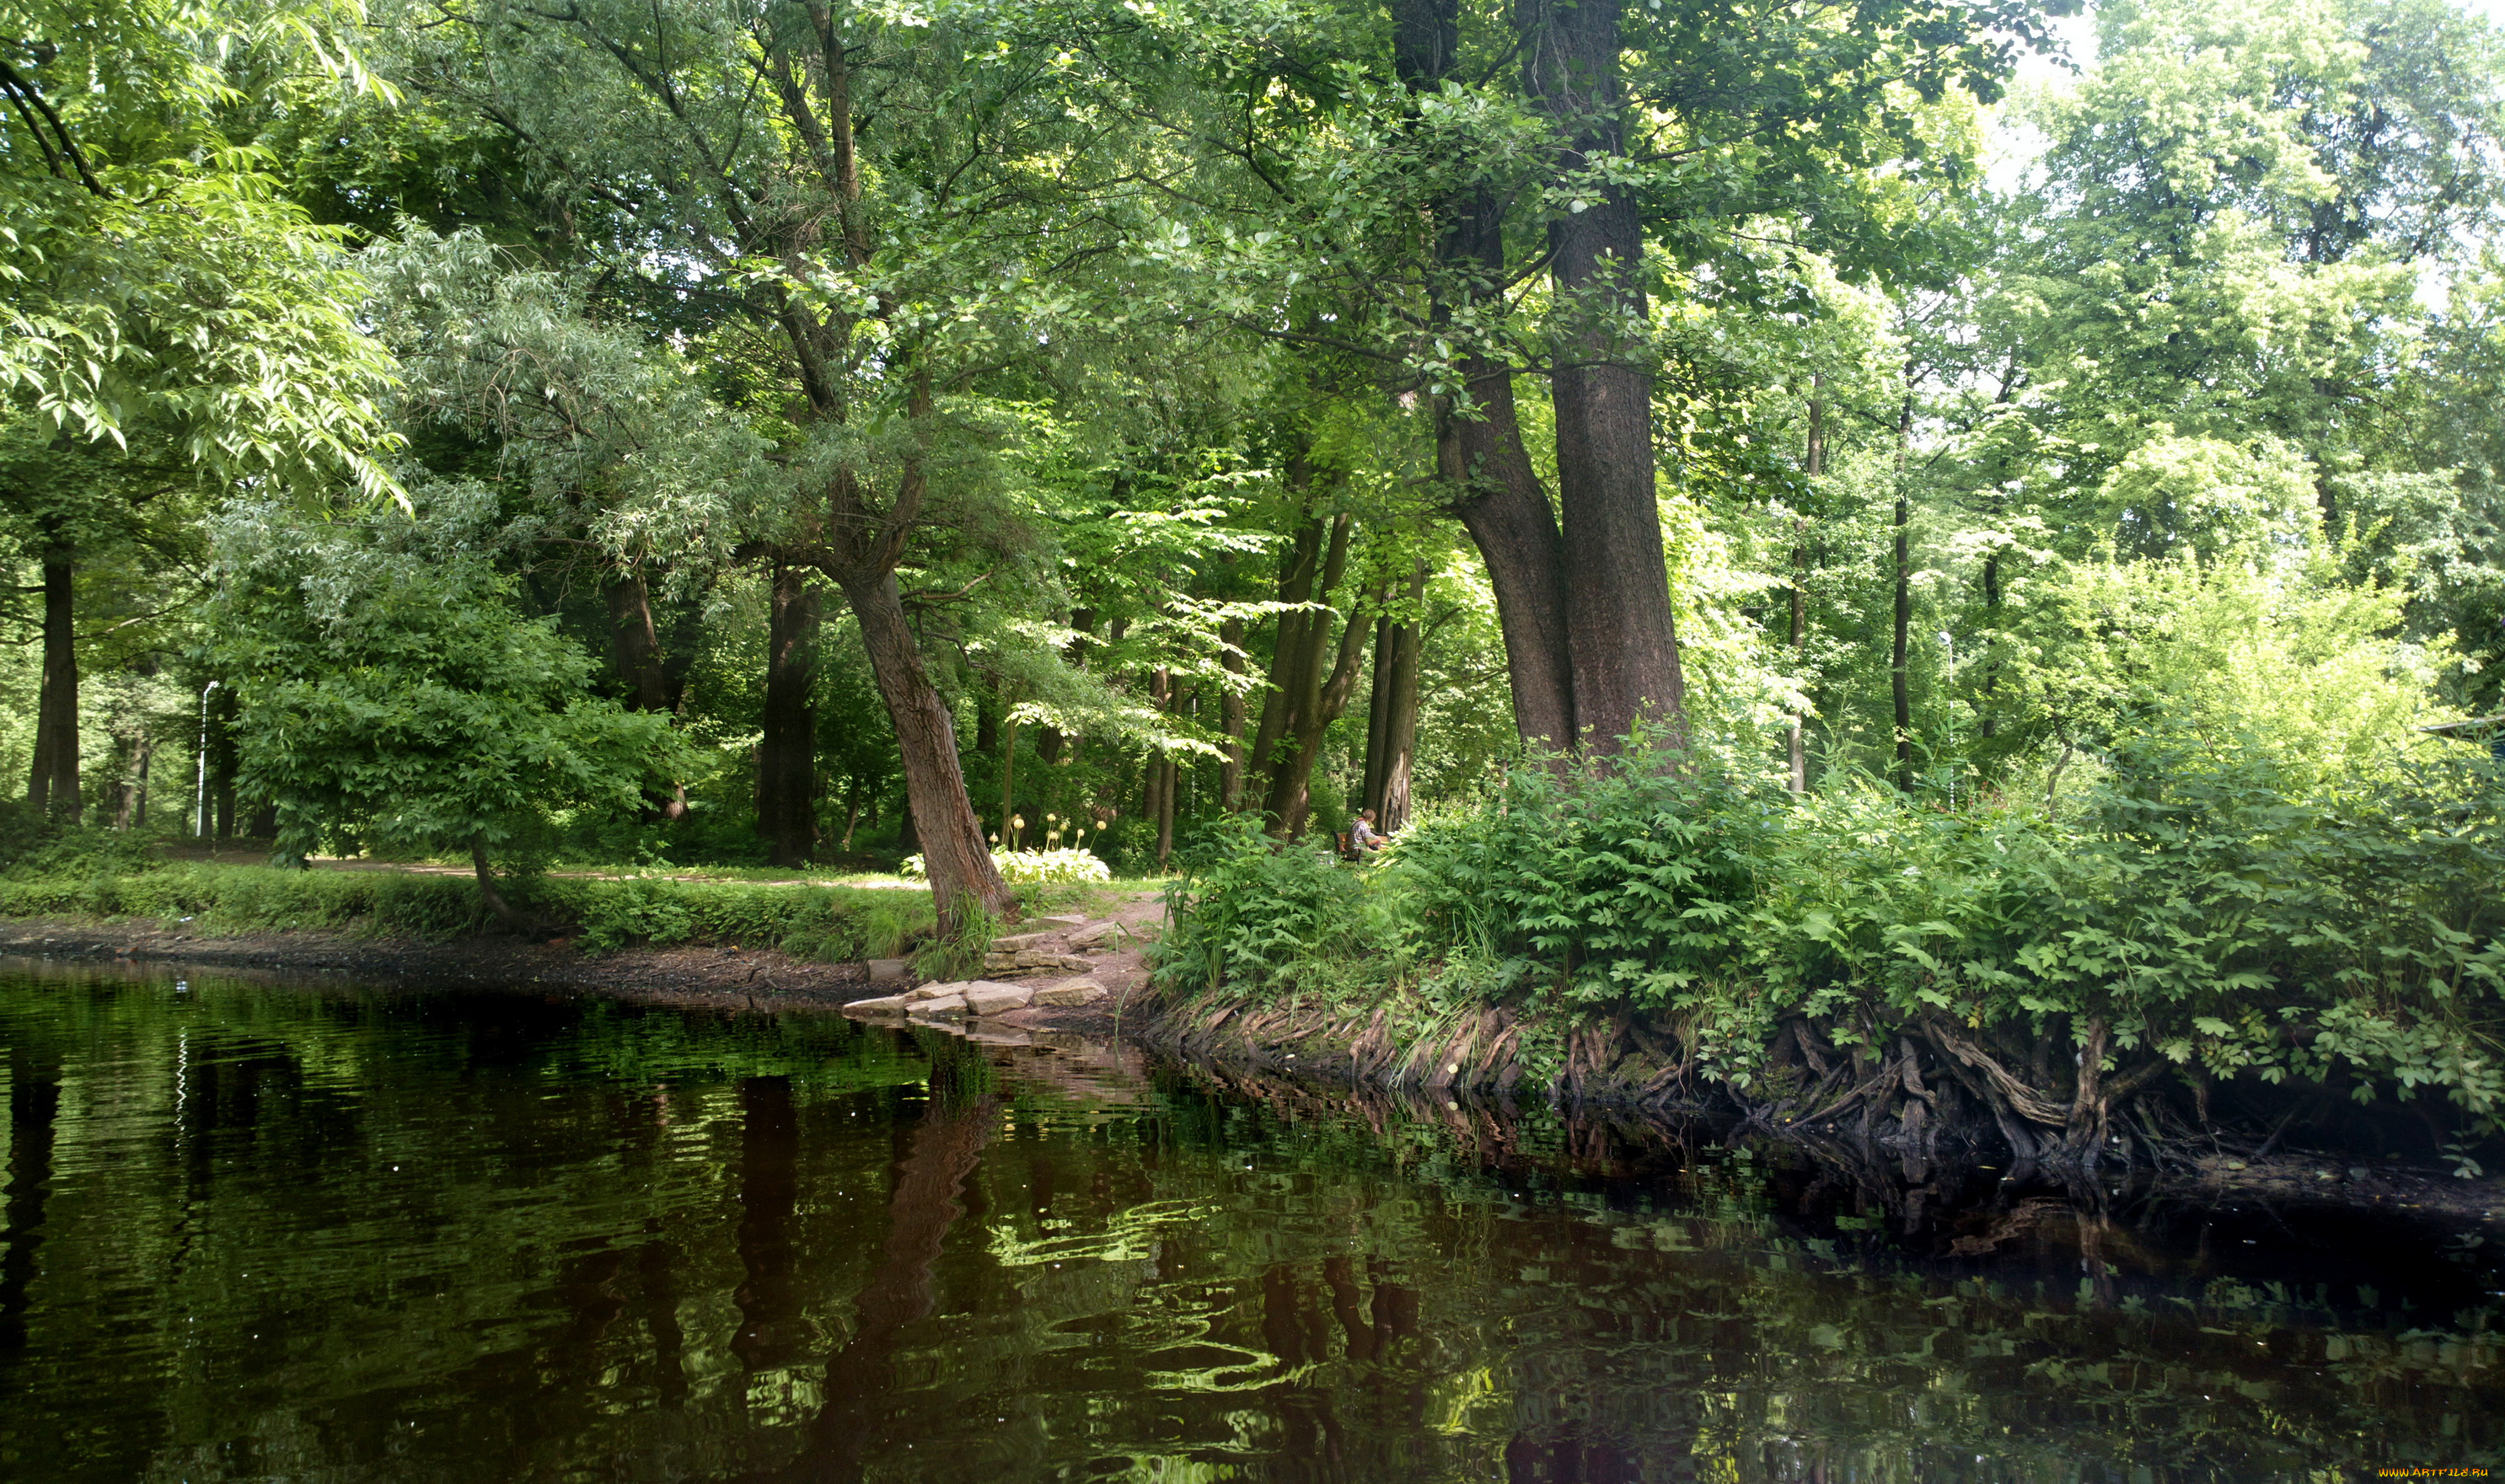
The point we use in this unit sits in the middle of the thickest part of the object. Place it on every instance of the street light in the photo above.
(201, 827)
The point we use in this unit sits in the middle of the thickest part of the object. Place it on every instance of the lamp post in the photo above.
(201, 827)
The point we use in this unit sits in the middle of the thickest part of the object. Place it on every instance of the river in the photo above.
(268, 1231)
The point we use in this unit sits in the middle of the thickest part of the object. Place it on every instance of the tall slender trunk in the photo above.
(955, 857)
(1230, 711)
(1400, 728)
(1814, 465)
(1010, 826)
(1392, 722)
(1297, 570)
(1619, 623)
(1899, 686)
(786, 752)
(1378, 712)
(52, 788)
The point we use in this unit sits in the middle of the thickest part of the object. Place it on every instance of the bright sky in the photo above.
(2011, 148)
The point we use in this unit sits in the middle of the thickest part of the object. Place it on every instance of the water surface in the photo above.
(272, 1232)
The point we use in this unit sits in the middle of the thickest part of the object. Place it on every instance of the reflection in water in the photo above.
(255, 1233)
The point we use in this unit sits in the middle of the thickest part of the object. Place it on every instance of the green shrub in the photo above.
(2198, 901)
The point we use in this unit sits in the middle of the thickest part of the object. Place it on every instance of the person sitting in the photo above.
(1364, 835)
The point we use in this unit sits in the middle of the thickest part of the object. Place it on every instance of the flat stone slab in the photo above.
(1064, 920)
(944, 1007)
(886, 1004)
(1015, 942)
(936, 991)
(1030, 959)
(1075, 993)
(890, 971)
(983, 998)
(1104, 934)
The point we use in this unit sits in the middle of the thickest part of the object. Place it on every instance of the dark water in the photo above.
(270, 1233)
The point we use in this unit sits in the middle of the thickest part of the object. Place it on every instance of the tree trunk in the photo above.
(1378, 712)
(635, 645)
(1392, 721)
(1400, 728)
(1010, 826)
(1498, 498)
(955, 857)
(1230, 711)
(635, 651)
(1292, 770)
(1618, 624)
(1305, 702)
(1814, 465)
(1295, 586)
(787, 753)
(1899, 686)
(494, 899)
(54, 786)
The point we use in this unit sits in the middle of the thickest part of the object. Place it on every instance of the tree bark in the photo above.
(1392, 723)
(1400, 729)
(635, 652)
(489, 895)
(52, 787)
(1306, 700)
(1230, 711)
(1899, 682)
(1619, 623)
(1814, 465)
(955, 856)
(1378, 712)
(787, 754)
(1498, 498)
(1295, 586)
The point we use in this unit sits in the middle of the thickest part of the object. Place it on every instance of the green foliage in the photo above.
(2195, 901)
(1251, 915)
(392, 697)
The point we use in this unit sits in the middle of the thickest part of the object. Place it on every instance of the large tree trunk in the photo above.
(1378, 712)
(1479, 448)
(787, 753)
(955, 856)
(1619, 623)
(52, 788)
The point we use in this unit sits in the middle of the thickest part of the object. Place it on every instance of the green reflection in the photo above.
(260, 1232)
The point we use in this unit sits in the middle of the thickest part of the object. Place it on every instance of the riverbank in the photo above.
(711, 975)
(1465, 1071)
(1451, 1081)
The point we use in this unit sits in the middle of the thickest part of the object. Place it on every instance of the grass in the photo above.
(828, 923)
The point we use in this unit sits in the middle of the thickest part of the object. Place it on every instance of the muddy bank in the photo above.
(710, 975)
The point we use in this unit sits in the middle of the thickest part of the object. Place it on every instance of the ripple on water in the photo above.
(272, 1232)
